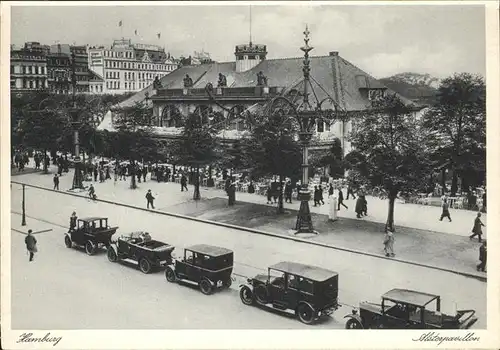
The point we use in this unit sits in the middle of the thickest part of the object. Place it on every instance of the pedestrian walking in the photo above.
(330, 191)
(482, 257)
(30, 241)
(365, 204)
(320, 195)
(389, 243)
(184, 183)
(150, 199)
(446, 211)
(288, 192)
(350, 192)
(316, 196)
(92, 194)
(483, 209)
(96, 173)
(341, 199)
(231, 192)
(144, 173)
(56, 182)
(72, 221)
(108, 175)
(269, 194)
(359, 209)
(477, 228)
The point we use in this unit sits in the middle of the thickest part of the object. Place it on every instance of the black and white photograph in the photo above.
(241, 171)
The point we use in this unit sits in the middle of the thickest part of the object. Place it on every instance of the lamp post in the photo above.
(74, 112)
(306, 116)
(23, 222)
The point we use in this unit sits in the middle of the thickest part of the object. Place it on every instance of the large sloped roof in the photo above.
(340, 79)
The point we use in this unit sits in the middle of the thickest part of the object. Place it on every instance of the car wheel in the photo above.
(353, 324)
(205, 287)
(305, 313)
(144, 265)
(261, 295)
(90, 247)
(112, 255)
(68, 242)
(170, 274)
(246, 296)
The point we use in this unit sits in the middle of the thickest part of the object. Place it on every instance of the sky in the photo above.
(383, 40)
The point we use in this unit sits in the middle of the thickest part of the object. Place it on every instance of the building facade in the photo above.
(127, 67)
(59, 69)
(96, 83)
(248, 84)
(28, 68)
(80, 64)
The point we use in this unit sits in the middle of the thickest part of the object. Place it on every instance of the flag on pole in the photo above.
(159, 35)
(120, 23)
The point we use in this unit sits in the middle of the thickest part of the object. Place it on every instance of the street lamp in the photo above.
(23, 222)
(298, 108)
(75, 121)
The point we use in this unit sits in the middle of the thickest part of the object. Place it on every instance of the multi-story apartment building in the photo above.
(96, 83)
(59, 69)
(81, 67)
(28, 68)
(127, 67)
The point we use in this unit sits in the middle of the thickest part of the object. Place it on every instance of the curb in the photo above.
(266, 233)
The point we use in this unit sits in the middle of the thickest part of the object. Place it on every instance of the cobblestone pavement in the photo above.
(449, 251)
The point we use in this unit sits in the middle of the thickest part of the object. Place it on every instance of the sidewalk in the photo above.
(447, 251)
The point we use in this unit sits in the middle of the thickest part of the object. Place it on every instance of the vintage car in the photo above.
(402, 308)
(91, 234)
(308, 292)
(139, 248)
(207, 266)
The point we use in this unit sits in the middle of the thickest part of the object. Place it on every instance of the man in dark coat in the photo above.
(316, 196)
(231, 192)
(288, 192)
(446, 211)
(30, 241)
(482, 257)
(72, 221)
(341, 199)
(56, 182)
(359, 207)
(320, 195)
(150, 199)
(477, 228)
(95, 173)
(183, 183)
(350, 192)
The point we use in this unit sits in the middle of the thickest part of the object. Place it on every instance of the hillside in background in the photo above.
(420, 88)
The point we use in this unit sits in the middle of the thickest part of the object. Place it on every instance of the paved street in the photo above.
(79, 291)
(413, 244)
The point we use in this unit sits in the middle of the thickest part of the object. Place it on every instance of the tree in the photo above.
(389, 149)
(331, 159)
(458, 125)
(271, 149)
(42, 130)
(133, 139)
(198, 146)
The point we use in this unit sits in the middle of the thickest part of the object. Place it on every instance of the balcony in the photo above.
(252, 92)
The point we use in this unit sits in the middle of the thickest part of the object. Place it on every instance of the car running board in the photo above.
(281, 309)
(131, 261)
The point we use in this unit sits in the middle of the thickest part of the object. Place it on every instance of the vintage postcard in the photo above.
(254, 175)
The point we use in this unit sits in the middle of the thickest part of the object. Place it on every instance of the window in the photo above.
(189, 257)
(107, 85)
(101, 88)
(11, 69)
(125, 85)
(31, 84)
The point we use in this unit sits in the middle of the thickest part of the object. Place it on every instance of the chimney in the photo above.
(334, 53)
